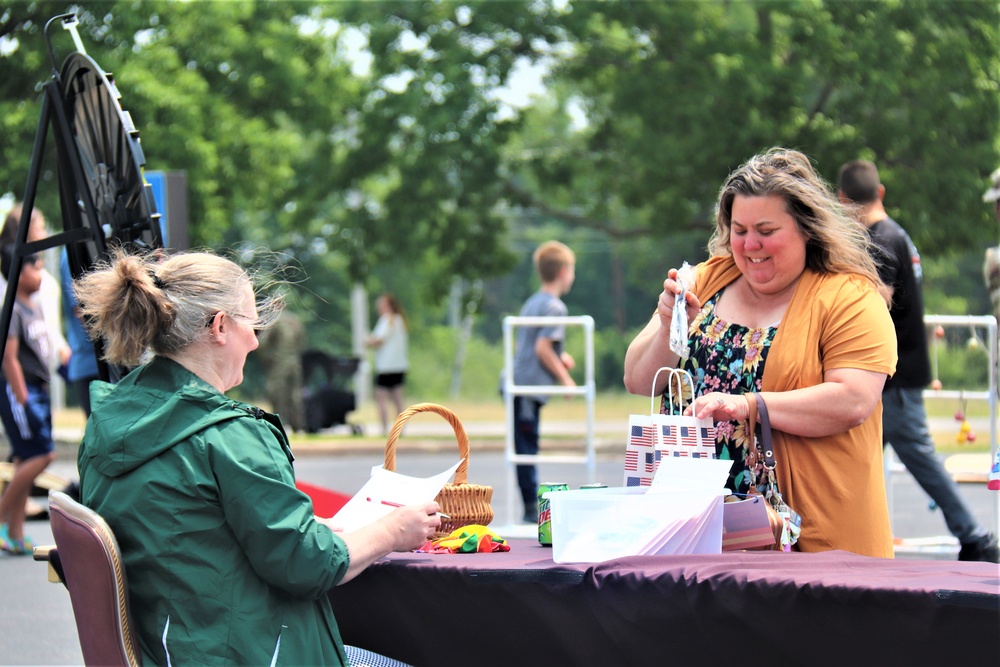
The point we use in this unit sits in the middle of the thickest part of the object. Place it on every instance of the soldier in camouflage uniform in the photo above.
(280, 354)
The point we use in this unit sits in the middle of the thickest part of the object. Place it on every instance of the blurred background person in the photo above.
(280, 354)
(49, 295)
(991, 267)
(26, 371)
(47, 298)
(540, 358)
(904, 418)
(82, 367)
(390, 340)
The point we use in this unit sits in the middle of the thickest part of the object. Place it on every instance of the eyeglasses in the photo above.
(256, 331)
(33, 258)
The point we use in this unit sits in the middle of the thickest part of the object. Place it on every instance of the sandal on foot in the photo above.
(13, 546)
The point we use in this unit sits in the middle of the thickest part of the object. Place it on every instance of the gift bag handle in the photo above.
(462, 473)
(764, 445)
(672, 373)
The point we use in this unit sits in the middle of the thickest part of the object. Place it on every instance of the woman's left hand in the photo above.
(720, 407)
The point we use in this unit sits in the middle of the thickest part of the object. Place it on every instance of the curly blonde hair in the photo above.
(835, 242)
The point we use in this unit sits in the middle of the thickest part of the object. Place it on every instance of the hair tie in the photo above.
(156, 280)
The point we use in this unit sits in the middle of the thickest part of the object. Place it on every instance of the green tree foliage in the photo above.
(677, 94)
(430, 135)
(239, 95)
(364, 140)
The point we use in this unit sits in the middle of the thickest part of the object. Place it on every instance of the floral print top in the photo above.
(728, 358)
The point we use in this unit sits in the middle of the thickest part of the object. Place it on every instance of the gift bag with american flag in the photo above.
(653, 436)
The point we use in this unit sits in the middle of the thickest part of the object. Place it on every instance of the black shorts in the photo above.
(390, 380)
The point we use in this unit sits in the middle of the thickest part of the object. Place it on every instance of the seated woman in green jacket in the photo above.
(226, 562)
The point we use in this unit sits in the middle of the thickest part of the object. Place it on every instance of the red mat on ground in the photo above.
(326, 503)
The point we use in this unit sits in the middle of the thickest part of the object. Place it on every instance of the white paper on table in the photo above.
(625, 532)
(695, 526)
(702, 533)
(681, 473)
(386, 490)
(630, 522)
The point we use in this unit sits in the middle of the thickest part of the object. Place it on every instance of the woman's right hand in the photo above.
(403, 529)
(411, 526)
(665, 305)
(650, 349)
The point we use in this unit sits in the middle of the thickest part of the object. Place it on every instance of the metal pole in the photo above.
(27, 204)
(508, 401)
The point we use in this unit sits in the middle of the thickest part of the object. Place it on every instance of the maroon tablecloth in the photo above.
(739, 609)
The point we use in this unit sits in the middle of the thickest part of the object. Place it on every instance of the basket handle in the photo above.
(462, 473)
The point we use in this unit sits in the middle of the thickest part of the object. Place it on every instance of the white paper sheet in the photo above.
(597, 525)
(385, 491)
(680, 473)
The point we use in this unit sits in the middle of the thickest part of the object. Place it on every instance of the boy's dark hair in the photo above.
(859, 181)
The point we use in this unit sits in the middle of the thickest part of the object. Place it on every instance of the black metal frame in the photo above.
(81, 220)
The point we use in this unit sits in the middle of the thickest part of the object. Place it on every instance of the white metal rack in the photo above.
(510, 390)
(990, 395)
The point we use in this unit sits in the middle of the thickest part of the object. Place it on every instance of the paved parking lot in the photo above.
(36, 620)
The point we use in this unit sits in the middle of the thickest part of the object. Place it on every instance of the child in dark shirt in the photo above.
(26, 369)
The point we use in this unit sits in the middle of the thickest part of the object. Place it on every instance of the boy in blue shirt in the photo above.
(539, 359)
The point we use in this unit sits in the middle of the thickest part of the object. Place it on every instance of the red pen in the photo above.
(392, 504)
(387, 502)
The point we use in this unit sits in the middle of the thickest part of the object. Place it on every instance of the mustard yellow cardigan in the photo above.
(835, 482)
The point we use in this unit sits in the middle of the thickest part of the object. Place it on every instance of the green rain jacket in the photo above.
(226, 563)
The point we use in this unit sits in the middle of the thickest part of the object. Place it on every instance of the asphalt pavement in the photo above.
(36, 619)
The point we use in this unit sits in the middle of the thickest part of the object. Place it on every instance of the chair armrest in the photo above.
(42, 552)
(49, 554)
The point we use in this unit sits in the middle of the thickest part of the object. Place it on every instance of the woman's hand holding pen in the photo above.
(404, 524)
(403, 529)
(412, 525)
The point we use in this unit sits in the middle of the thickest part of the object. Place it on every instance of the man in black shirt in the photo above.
(904, 419)
(991, 267)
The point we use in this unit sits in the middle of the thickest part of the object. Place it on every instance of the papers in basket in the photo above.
(386, 490)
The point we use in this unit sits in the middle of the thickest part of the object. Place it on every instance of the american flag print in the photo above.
(650, 439)
(642, 436)
(670, 433)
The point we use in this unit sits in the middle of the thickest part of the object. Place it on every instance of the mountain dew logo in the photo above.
(545, 514)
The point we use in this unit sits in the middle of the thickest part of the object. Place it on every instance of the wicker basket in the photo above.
(465, 503)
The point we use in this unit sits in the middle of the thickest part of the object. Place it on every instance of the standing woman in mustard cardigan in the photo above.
(790, 307)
